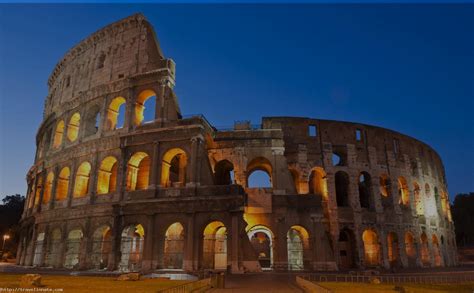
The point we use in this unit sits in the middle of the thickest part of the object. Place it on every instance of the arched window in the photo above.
(410, 249)
(371, 248)
(145, 107)
(425, 251)
(261, 238)
(101, 247)
(131, 248)
(58, 135)
(48, 187)
(224, 173)
(393, 255)
(39, 187)
(215, 246)
(92, 122)
(259, 173)
(107, 176)
(403, 192)
(318, 183)
(436, 251)
(116, 113)
(342, 189)
(384, 186)
(73, 247)
(73, 127)
(297, 247)
(173, 172)
(81, 182)
(174, 247)
(62, 184)
(138, 171)
(365, 190)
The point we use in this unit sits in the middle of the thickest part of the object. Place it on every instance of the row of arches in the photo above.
(115, 115)
(372, 249)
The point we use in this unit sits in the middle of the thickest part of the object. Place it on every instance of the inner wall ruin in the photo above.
(114, 187)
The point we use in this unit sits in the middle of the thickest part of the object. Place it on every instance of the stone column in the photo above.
(31, 246)
(148, 247)
(195, 165)
(40, 202)
(189, 261)
(85, 247)
(122, 173)
(155, 166)
(72, 182)
(234, 259)
(383, 244)
(280, 259)
(115, 254)
(93, 175)
(52, 199)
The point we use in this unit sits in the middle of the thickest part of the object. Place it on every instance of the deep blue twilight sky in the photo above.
(405, 67)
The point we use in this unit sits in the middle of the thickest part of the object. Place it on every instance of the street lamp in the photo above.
(5, 237)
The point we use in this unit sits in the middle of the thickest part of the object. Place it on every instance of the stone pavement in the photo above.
(263, 282)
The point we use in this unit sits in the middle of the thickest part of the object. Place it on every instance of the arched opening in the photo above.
(371, 248)
(425, 251)
(174, 247)
(145, 107)
(173, 172)
(336, 160)
(58, 134)
(342, 189)
(295, 175)
(215, 246)
(318, 183)
(418, 199)
(297, 247)
(346, 249)
(39, 187)
(116, 113)
(53, 253)
(92, 122)
(224, 173)
(73, 127)
(107, 176)
(259, 173)
(365, 190)
(101, 247)
(62, 184)
(385, 186)
(410, 249)
(393, 250)
(81, 183)
(138, 171)
(404, 194)
(261, 239)
(48, 187)
(38, 257)
(131, 248)
(73, 246)
(436, 251)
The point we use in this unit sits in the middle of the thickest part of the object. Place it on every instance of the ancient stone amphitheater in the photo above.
(123, 181)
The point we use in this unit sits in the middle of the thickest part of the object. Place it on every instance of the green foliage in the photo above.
(10, 215)
(463, 216)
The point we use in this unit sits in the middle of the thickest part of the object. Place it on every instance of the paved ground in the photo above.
(264, 282)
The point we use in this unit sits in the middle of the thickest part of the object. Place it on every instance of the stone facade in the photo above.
(114, 189)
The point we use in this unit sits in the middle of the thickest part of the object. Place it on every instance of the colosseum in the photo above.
(116, 188)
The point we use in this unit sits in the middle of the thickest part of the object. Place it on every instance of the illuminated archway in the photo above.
(81, 182)
(425, 251)
(138, 171)
(436, 251)
(174, 247)
(410, 249)
(142, 100)
(39, 187)
(107, 176)
(101, 247)
(115, 113)
(403, 192)
(73, 246)
(73, 127)
(58, 135)
(131, 248)
(393, 249)
(261, 238)
(62, 184)
(371, 248)
(173, 171)
(318, 183)
(215, 246)
(297, 247)
(259, 173)
(48, 187)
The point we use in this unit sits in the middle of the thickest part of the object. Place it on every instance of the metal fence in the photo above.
(189, 287)
(393, 279)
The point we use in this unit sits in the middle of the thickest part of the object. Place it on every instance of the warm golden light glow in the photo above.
(39, 187)
(113, 112)
(58, 135)
(425, 252)
(392, 249)
(73, 127)
(138, 171)
(81, 183)
(384, 185)
(173, 170)
(371, 248)
(410, 247)
(48, 187)
(140, 105)
(318, 183)
(403, 191)
(62, 184)
(436, 251)
(107, 176)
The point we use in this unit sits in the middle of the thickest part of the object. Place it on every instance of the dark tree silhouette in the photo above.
(463, 215)
(10, 215)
